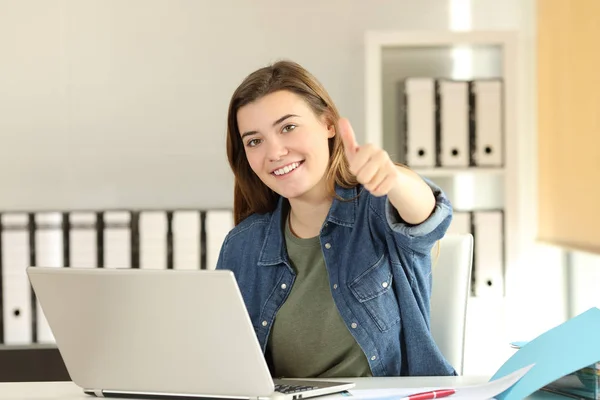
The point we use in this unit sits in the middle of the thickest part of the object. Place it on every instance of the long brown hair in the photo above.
(250, 194)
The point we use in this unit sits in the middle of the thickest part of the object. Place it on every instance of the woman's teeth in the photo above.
(286, 169)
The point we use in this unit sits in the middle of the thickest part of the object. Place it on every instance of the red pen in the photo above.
(434, 394)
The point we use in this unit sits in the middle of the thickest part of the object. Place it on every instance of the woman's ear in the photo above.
(328, 122)
(331, 131)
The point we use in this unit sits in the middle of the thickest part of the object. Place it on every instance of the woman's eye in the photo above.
(253, 142)
(288, 128)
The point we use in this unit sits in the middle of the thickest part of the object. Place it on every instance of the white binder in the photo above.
(48, 253)
(420, 122)
(83, 240)
(218, 225)
(487, 149)
(489, 253)
(453, 123)
(117, 239)
(461, 223)
(153, 239)
(16, 291)
(186, 239)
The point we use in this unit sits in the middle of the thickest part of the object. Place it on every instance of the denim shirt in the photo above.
(379, 271)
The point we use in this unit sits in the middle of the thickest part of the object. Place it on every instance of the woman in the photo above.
(332, 243)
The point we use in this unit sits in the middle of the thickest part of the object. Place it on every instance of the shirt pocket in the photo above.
(373, 289)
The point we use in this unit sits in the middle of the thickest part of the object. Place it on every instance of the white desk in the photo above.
(69, 391)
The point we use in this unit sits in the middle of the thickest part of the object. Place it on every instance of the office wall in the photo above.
(122, 103)
(584, 282)
(112, 103)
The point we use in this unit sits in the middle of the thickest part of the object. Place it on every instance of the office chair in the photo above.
(451, 277)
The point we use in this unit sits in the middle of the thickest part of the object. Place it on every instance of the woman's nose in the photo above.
(276, 150)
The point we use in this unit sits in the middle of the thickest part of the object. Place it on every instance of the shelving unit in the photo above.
(390, 57)
(32, 363)
(136, 238)
(448, 172)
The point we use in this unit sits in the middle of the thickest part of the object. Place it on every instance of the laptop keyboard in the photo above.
(288, 389)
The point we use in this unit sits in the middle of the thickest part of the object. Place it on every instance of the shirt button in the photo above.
(335, 286)
(265, 323)
(327, 245)
(354, 325)
(283, 286)
(373, 358)
(384, 284)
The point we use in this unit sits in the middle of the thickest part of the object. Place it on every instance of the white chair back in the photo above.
(450, 293)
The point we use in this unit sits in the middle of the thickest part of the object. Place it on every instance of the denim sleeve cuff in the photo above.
(435, 225)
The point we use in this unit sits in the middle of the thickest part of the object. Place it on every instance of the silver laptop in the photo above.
(154, 333)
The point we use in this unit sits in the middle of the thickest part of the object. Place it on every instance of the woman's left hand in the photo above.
(370, 164)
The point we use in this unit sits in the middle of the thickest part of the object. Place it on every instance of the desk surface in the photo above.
(69, 391)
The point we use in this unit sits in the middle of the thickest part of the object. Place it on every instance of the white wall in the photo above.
(122, 103)
(584, 282)
(536, 285)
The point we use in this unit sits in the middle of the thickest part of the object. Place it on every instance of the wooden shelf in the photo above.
(568, 124)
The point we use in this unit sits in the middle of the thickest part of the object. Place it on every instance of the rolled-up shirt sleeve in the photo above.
(420, 237)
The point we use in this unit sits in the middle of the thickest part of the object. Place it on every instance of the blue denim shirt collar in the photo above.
(343, 213)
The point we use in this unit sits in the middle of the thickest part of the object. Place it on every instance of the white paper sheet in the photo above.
(482, 391)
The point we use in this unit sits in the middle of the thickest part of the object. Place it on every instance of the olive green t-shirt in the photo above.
(309, 338)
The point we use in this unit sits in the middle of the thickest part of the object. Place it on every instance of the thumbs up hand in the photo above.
(371, 165)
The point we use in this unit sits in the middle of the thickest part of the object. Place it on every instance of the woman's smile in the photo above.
(287, 170)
